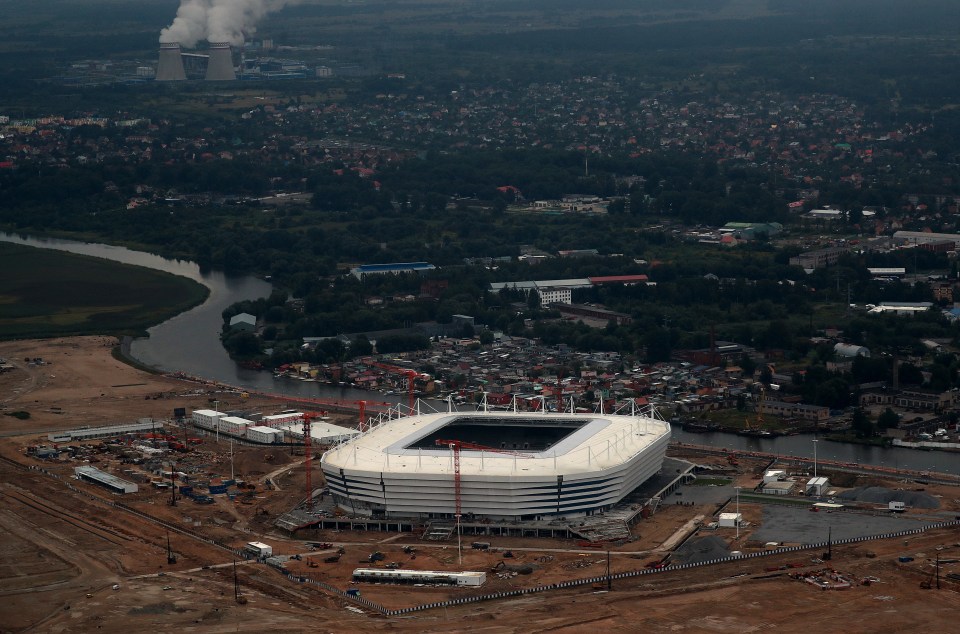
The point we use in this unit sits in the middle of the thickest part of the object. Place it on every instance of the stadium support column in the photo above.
(559, 492)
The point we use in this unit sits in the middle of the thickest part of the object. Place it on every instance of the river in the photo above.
(803, 446)
(190, 343)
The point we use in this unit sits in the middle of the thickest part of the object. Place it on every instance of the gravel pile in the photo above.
(701, 549)
(880, 495)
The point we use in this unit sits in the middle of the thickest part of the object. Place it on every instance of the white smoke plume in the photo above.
(218, 20)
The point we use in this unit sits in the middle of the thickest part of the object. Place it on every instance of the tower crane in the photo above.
(757, 423)
(307, 447)
(456, 446)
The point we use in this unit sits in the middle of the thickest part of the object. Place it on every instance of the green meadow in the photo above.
(46, 293)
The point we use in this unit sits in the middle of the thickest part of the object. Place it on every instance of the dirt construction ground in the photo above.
(72, 561)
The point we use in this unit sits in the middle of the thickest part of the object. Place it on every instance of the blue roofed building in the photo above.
(395, 268)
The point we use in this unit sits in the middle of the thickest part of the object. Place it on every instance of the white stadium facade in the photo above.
(524, 466)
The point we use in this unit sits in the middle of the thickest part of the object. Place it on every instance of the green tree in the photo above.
(888, 420)
(862, 425)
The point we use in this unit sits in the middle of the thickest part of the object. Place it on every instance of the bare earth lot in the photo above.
(65, 549)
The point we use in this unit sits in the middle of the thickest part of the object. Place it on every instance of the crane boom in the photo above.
(411, 375)
(307, 446)
(456, 446)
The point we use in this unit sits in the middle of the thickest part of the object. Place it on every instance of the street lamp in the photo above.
(736, 520)
(815, 441)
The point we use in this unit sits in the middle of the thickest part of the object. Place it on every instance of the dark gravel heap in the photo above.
(880, 495)
(701, 549)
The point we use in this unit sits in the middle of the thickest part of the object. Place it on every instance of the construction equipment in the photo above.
(928, 583)
(757, 424)
(332, 403)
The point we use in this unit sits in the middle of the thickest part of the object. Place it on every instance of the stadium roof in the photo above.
(602, 441)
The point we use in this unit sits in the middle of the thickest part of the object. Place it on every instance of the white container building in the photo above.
(729, 520)
(778, 488)
(774, 475)
(427, 577)
(235, 425)
(259, 549)
(259, 433)
(323, 433)
(206, 418)
(817, 486)
(276, 420)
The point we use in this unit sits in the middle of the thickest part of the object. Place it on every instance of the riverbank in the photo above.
(68, 382)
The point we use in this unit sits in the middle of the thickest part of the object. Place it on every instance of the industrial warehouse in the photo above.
(497, 465)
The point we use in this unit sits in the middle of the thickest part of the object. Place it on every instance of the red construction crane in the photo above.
(307, 446)
(332, 402)
(456, 446)
(409, 373)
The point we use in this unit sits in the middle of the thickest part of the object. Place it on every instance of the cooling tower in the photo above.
(170, 67)
(220, 64)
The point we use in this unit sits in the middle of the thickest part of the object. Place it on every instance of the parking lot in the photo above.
(800, 525)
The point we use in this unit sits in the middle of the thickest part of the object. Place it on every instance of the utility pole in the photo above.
(609, 580)
(173, 486)
(171, 558)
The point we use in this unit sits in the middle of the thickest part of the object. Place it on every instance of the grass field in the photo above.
(46, 293)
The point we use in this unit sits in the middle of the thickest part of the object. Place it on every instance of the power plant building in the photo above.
(524, 466)
(170, 65)
(220, 63)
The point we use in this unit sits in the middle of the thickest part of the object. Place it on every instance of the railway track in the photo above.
(62, 515)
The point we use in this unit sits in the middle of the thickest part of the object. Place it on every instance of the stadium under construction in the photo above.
(498, 465)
